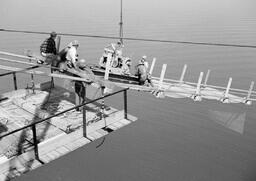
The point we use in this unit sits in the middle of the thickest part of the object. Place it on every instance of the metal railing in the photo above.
(14, 75)
(33, 125)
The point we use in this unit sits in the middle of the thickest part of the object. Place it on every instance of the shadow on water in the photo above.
(234, 121)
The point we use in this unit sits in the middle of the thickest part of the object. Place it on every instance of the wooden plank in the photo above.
(102, 132)
(62, 150)
(111, 126)
(94, 135)
(132, 118)
(118, 124)
(54, 154)
(17, 55)
(45, 158)
(125, 121)
(44, 74)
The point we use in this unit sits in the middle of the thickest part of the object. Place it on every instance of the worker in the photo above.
(82, 71)
(80, 87)
(48, 49)
(68, 56)
(144, 76)
(126, 67)
(71, 55)
(115, 49)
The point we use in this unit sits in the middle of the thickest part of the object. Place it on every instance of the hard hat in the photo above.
(53, 34)
(128, 62)
(144, 57)
(70, 45)
(75, 43)
(81, 63)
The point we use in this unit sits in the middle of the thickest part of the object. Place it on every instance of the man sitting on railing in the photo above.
(68, 56)
(115, 49)
(48, 49)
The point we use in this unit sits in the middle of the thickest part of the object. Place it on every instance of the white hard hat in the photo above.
(75, 43)
(70, 45)
(144, 57)
(81, 63)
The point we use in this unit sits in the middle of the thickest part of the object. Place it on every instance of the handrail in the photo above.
(12, 72)
(17, 71)
(33, 125)
(75, 107)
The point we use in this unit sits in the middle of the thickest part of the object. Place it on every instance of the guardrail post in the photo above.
(84, 122)
(35, 142)
(102, 104)
(14, 80)
(84, 115)
(52, 79)
(125, 104)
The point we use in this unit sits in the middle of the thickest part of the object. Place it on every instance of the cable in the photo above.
(136, 39)
(102, 116)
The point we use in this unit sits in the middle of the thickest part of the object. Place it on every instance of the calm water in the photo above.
(174, 139)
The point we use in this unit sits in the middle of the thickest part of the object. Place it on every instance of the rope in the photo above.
(102, 116)
(134, 39)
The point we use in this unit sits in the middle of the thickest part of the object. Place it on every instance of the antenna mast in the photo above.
(121, 23)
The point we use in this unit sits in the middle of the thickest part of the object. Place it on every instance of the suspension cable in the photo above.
(135, 39)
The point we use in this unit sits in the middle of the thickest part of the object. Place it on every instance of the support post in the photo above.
(58, 44)
(197, 95)
(162, 76)
(199, 83)
(102, 105)
(35, 142)
(225, 98)
(183, 74)
(206, 77)
(152, 66)
(247, 99)
(109, 58)
(125, 104)
(228, 87)
(84, 116)
(15, 80)
(33, 83)
(52, 79)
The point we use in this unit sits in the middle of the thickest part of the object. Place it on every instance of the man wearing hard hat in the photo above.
(142, 72)
(71, 55)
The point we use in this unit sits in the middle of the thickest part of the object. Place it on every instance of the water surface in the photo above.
(174, 139)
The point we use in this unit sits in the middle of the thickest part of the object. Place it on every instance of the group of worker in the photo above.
(68, 58)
